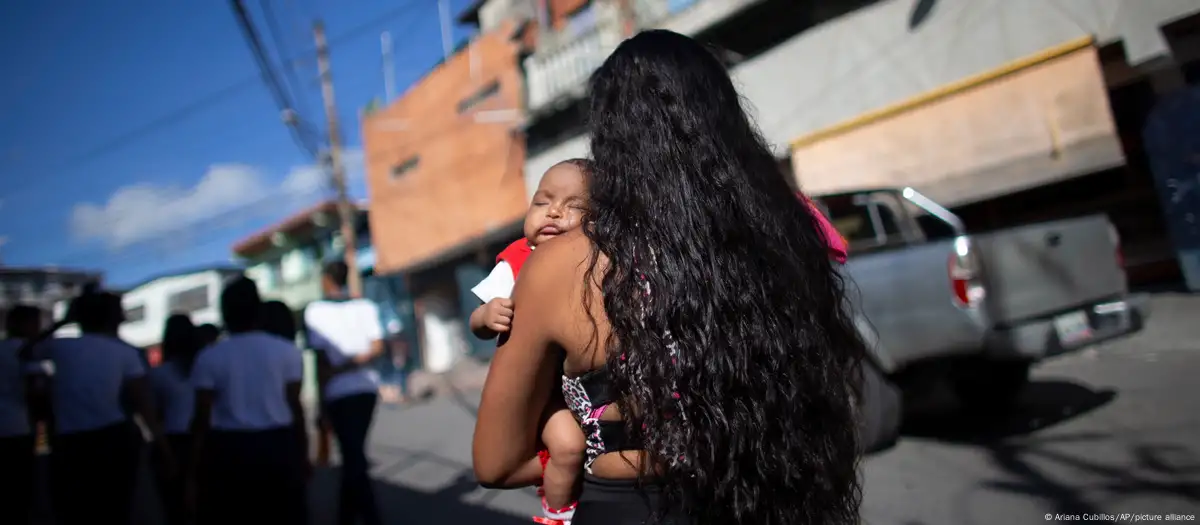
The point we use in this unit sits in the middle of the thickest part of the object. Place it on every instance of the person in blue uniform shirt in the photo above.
(16, 420)
(175, 399)
(96, 445)
(250, 445)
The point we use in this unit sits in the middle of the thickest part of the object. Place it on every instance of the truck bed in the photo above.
(1042, 269)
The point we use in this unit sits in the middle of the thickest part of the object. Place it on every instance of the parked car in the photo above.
(937, 302)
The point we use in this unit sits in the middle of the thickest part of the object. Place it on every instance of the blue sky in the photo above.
(84, 183)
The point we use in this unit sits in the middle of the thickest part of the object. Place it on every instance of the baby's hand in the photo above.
(497, 314)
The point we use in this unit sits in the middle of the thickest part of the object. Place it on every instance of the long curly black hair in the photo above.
(731, 342)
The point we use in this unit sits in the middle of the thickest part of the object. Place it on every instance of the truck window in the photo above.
(865, 220)
(932, 227)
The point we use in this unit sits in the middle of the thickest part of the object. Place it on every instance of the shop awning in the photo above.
(1035, 121)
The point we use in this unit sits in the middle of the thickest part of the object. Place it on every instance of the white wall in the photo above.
(871, 58)
(153, 297)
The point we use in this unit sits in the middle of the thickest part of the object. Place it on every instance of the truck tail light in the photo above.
(966, 281)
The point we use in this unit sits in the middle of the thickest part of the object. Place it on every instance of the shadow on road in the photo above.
(1043, 404)
(1030, 460)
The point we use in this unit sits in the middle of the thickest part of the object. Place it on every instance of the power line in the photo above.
(281, 52)
(212, 224)
(180, 114)
(271, 78)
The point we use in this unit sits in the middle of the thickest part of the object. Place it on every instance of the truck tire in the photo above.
(881, 410)
(991, 385)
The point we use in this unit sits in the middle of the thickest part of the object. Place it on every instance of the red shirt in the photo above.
(515, 255)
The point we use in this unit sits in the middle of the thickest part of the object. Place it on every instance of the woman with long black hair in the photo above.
(710, 357)
(175, 399)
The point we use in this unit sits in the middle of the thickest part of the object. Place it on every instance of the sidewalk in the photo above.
(421, 458)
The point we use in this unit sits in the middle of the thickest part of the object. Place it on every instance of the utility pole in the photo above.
(389, 72)
(447, 37)
(347, 211)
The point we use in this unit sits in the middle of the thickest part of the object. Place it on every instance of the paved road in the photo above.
(1113, 429)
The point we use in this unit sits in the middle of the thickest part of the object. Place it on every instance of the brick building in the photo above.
(444, 171)
(443, 162)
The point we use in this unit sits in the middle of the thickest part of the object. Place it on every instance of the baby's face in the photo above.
(559, 204)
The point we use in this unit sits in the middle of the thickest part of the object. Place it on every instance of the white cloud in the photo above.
(227, 194)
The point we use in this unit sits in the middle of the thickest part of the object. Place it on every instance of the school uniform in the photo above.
(95, 446)
(16, 438)
(251, 471)
(342, 330)
(175, 399)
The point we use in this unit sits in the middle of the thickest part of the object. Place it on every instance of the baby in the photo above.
(557, 208)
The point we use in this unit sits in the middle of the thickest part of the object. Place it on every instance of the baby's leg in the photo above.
(565, 441)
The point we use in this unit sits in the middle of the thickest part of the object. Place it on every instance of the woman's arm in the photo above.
(520, 378)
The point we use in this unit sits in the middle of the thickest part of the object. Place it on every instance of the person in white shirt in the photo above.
(250, 446)
(16, 421)
(347, 336)
(96, 446)
(175, 398)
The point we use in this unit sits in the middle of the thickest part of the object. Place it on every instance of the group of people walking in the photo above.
(676, 350)
(227, 428)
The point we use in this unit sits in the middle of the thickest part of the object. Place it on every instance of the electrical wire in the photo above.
(198, 105)
(281, 52)
(211, 225)
(271, 78)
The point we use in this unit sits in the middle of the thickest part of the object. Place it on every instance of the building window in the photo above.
(135, 314)
(403, 168)
(188, 301)
(479, 97)
(295, 266)
(261, 275)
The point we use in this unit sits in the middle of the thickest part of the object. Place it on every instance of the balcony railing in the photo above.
(560, 67)
(562, 72)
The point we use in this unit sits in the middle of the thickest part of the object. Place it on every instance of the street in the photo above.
(1111, 429)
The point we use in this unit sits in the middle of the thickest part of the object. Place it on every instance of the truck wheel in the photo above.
(881, 410)
(991, 385)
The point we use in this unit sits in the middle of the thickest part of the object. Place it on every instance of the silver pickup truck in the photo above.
(936, 302)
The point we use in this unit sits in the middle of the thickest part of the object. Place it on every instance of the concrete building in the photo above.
(443, 166)
(193, 292)
(43, 287)
(285, 258)
(975, 103)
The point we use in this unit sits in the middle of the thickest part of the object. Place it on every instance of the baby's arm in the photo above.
(487, 321)
(479, 324)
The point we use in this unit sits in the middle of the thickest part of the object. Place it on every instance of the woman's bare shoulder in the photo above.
(561, 257)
